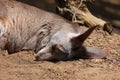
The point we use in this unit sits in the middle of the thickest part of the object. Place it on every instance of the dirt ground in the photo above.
(21, 66)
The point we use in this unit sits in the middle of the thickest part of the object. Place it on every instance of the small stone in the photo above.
(97, 60)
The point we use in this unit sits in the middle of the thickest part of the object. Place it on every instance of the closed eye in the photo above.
(58, 48)
(75, 48)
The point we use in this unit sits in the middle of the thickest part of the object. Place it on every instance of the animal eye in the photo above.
(75, 48)
(57, 48)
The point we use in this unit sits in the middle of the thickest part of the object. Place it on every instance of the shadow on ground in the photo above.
(107, 10)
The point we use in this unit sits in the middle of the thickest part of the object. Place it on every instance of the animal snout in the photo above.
(43, 56)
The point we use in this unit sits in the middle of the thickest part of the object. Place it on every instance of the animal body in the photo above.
(23, 27)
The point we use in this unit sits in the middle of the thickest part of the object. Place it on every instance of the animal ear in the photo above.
(81, 38)
(96, 52)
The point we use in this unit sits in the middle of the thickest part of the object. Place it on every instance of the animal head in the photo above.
(67, 46)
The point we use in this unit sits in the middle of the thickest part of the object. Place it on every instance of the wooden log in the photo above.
(77, 11)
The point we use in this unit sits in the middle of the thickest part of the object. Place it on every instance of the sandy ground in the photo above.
(21, 66)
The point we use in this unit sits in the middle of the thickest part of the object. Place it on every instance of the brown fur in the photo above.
(24, 21)
(23, 27)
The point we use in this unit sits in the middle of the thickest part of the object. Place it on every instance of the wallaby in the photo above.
(23, 27)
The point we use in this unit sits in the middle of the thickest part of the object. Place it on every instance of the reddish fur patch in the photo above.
(4, 20)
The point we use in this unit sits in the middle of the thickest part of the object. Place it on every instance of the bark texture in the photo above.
(77, 11)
